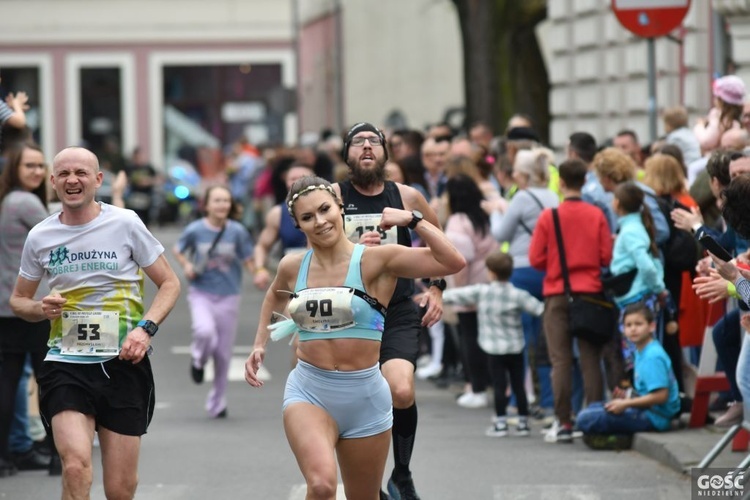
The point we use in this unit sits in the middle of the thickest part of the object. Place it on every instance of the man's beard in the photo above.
(367, 177)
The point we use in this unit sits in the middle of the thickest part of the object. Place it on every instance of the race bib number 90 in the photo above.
(323, 309)
(356, 225)
(90, 333)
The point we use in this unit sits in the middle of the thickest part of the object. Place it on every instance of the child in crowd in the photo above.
(499, 307)
(635, 248)
(656, 400)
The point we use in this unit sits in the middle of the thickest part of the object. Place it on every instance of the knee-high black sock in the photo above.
(404, 430)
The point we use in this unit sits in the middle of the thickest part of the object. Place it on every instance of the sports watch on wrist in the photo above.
(416, 217)
(149, 326)
(439, 283)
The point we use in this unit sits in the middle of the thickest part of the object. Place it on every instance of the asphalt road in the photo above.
(187, 456)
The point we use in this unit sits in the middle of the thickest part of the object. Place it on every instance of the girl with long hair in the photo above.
(212, 252)
(23, 204)
(468, 228)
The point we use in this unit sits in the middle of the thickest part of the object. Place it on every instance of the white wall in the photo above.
(147, 20)
(401, 54)
(598, 70)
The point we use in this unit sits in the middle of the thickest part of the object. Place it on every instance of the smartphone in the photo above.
(710, 244)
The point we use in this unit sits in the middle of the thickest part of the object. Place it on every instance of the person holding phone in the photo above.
(735, 208)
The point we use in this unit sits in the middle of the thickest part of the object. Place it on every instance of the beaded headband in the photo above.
(290, 203)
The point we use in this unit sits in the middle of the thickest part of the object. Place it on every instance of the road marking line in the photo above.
(185, 349)
(300, 490)
(236, 370)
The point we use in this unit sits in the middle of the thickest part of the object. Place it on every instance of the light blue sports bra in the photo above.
(337, 312)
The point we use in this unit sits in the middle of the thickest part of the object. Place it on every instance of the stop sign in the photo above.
(650, 18)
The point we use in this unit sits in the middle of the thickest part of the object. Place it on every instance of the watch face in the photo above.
(149, 326)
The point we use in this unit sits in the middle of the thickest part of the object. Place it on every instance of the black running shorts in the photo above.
(401, 333)
(117, 393)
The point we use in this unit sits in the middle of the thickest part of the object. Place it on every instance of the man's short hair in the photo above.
(628, 132)
(736, 206)
(413, 138)
(573, 173)
(501, 264)
(717, 166)
(614, 165)
(584, 145)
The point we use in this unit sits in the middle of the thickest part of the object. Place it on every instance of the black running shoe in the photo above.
(31, 460)
(55, 465)
(7, 468)
(402, 488)
(196, 374)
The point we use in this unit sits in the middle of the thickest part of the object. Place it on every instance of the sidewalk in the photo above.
(684, 448)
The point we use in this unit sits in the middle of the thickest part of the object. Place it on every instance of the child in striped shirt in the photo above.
(499, 307)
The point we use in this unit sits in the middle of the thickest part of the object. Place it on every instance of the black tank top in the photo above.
(357, 207)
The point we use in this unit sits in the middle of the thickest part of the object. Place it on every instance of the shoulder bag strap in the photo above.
(216, 240)
(561, 251)
(541, 208)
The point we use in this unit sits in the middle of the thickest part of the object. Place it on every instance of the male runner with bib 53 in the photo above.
(96, 376)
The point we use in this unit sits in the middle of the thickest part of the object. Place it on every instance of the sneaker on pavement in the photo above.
(55, 465)
(721, 403)
(402, 488)
(731, 417)
(30, 460)
(428, 371)
(473, 400)
(499, 428)
(550, 431)
(565, 434)
(196, 373)
(522, 428)
(7, 468)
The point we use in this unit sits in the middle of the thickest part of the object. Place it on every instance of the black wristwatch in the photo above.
(439, 283)
(149, 326)
(416, 217)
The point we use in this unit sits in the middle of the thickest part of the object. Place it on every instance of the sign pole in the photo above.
(650, 19)
(651, 88)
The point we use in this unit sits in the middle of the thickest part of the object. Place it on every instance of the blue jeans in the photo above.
(727, 336)
(743, 372)
(530, 279)
(19, 439)
(596, 420)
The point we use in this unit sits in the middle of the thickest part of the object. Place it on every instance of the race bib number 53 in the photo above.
(90, 333)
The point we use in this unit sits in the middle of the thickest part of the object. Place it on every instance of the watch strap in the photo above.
(441, 284)
(416, 218)
(148, 326)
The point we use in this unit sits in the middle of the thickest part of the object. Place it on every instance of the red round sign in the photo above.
(650, 18)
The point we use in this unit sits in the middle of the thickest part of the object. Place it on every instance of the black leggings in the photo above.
(500, 366)
(11, 370)
(474, 358)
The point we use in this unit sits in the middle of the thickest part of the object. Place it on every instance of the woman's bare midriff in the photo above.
(340, 354)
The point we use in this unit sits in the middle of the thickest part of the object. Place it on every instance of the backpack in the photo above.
(681, 251)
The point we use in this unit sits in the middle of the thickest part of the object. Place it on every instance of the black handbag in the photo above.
(617, 285)
(591, 317)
